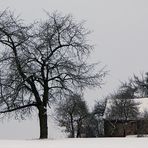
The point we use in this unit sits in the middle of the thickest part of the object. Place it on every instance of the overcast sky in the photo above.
(120, 35)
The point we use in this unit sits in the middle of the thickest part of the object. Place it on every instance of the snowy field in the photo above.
(77, 143)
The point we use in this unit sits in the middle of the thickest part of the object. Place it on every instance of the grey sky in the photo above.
(120, 33)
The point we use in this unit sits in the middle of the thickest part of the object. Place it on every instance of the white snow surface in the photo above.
(77, 143)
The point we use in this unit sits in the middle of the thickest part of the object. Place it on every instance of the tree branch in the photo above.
(18, 108)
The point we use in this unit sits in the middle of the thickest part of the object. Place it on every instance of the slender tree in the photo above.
(98, 113)
(42, 62)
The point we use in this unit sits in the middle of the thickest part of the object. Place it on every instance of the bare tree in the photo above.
(71, 114)
(98, 113)
(99, 108)
(41, 63)
(121, 108)
(137, 86)
(122, 104)
(141, 85)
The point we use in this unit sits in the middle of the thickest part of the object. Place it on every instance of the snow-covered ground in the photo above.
(78, 143)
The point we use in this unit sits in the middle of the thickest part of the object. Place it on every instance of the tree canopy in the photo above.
(42, 62)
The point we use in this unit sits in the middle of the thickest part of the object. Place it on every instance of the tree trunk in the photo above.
(72, 135)
(43, 122)
(78, 133)
(79, 129)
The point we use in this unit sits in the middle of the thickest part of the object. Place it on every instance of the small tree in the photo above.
(72, 114)
(99, 108)
(42, 62)
(97, 117)
(91, 126)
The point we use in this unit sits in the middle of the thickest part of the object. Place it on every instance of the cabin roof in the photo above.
(142, 105)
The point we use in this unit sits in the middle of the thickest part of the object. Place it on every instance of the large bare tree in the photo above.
(42, 62)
